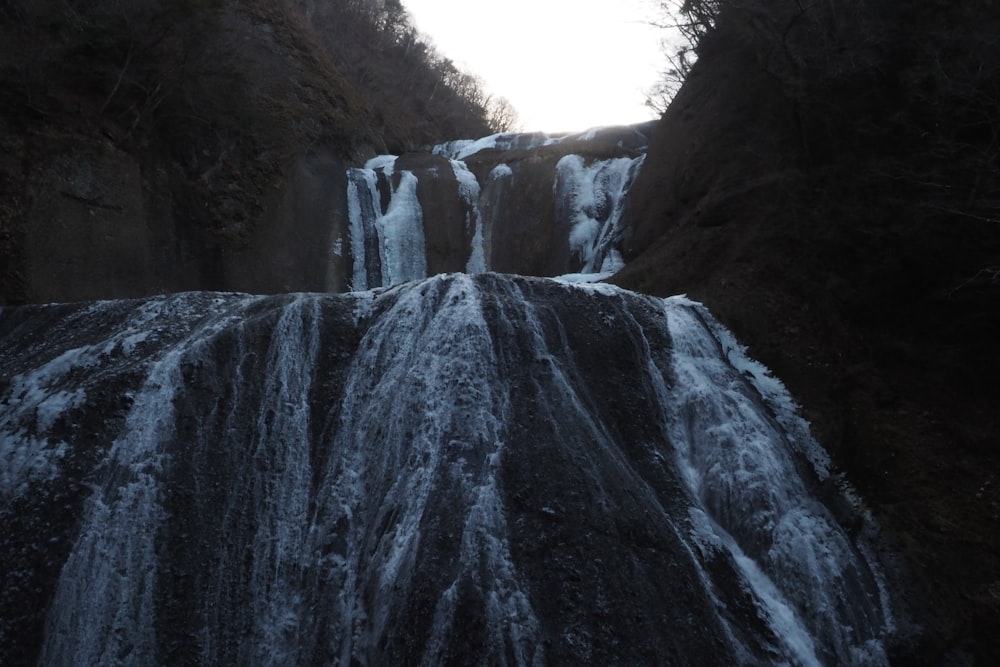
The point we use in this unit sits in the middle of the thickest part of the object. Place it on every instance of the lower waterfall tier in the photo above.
(462, 470)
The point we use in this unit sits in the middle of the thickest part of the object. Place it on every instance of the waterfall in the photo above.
(467, 469)
(364, 211)
(818, 592)
(387, 245)
(469, 192)
(591, 197)
(533, 204)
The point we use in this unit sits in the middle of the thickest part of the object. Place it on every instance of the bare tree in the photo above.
(502, 116)
(684, 23)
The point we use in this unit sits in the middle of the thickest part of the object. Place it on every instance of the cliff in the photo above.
(838, 210)
(526, 203)
(170, 145)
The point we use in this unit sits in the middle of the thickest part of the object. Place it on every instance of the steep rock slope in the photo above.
(838, 211)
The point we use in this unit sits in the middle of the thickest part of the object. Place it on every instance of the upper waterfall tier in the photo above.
(532, 204)
(462, 470)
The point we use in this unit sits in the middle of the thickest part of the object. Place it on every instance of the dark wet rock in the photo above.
(446, 232)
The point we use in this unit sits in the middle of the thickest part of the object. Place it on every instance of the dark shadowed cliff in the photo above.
(166, 145)
(828, 184)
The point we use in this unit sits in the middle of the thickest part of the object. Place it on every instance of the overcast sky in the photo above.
(565, 65)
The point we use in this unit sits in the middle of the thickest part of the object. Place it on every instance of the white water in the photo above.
(103, 610)
(423, 393)
(739, 463)
(351, 500)
(388, 247)
(364, 211)
(469, 192)
(589, 199)
(401, 231)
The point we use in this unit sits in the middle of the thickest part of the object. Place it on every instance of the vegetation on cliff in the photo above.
(417, 96)
(827, 181)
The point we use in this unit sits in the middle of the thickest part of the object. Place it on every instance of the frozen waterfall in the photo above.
(467, 469)
(529, 203)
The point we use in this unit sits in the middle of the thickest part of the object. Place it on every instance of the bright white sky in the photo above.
(565, 65)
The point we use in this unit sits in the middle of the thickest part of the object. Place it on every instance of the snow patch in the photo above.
(386, 163)
(502, 170)
(584, 277)
(462, 149)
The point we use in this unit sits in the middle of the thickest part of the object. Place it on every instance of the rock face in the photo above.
(95, 231)
(465, 470)
(163, 146)
(291, 250)
(824, 209)
(99, 223)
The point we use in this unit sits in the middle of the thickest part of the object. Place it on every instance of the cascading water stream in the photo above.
(469, 192)
(424, 392)
(387, 245)
(592, 197)
(461, 470)
(364, 210)
(820, 596)
(575, 201)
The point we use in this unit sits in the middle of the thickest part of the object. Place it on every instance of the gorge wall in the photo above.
(98, 223)
(184, 174)
(837, 208)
